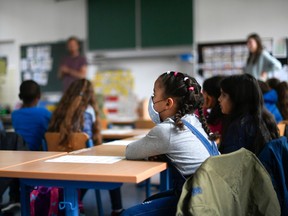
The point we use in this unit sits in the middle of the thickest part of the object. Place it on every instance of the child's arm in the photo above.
(156, 142)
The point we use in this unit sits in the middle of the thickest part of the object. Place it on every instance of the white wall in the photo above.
(147, 70)
(33, 21)
(222, 20)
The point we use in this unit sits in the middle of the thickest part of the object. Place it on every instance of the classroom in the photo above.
(133, 55)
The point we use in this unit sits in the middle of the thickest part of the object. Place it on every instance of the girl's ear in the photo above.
(170, 103)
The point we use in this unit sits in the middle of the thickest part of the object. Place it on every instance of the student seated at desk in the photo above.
(249, 124)
(78, 112)
(30, 121)
(211, 93)
(176, 97)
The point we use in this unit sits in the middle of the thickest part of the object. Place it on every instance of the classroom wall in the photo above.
(34, 21)
(222, 20)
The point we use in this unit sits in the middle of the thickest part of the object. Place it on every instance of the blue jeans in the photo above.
(160, 204)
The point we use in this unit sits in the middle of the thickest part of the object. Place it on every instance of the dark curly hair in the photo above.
(189, 98)
(29, 91)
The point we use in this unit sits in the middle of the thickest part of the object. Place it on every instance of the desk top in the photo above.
(102, 150)
(14, 158)
(122, 171)
(122, 133)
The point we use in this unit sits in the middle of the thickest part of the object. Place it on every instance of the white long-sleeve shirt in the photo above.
(182, 147)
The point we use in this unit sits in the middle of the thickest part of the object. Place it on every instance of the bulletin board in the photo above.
(225, 58)
(40, 62)
(114, 82)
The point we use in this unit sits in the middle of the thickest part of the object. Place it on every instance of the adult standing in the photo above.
(259, 62)
(74, 65)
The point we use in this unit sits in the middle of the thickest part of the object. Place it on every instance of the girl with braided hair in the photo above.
(176, 97)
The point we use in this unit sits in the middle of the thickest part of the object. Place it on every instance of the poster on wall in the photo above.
(37, 63)
(117, 88)
(3, 65)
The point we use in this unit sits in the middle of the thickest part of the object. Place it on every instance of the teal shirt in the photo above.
(31, 123)
(265, 63)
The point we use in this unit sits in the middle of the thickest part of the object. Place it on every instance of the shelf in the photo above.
(139, 53)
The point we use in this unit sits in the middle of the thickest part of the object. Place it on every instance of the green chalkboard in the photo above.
(166, 22)
(111, 24)
(40, 62)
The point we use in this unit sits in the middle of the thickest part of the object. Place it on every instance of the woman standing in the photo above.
(259, 62)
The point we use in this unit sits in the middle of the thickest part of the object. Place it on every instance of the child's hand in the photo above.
(156, 158)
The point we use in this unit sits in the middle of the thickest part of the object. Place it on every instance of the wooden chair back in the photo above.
(78, 141)
(281, 126)
(144, 124)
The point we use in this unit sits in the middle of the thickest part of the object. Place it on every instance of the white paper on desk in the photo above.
(86, 159)
(113, 131)
(119, 142)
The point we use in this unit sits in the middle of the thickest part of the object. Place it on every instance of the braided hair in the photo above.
(187, 92)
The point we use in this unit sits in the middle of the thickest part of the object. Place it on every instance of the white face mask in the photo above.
(154, 115)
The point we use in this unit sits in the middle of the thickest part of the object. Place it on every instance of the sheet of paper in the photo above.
(119, 142)
(86, 159)
(113, 131)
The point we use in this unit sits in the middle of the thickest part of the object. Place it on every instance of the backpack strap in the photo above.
(33, 197)
(54, 200)
(210, 146)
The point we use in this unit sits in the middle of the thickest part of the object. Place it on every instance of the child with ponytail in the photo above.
(176, 97)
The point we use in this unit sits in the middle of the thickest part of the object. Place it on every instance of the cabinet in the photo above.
(131, 24)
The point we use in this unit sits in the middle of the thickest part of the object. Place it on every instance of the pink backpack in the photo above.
(44, 201)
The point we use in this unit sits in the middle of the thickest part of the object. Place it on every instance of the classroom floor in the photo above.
(132, 194)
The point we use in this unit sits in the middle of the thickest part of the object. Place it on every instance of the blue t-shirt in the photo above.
(31, 123)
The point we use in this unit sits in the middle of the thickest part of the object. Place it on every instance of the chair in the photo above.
(281, 126)
(230, 184)
(274, 157)
(78, 141)
(144, 124)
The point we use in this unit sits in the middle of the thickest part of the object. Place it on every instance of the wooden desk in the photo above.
(72, 176)
(113, 134)
(122, 171)
(14, 158)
